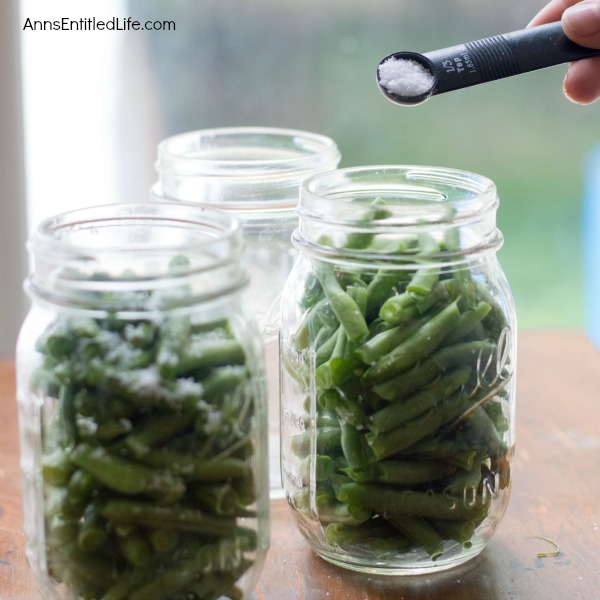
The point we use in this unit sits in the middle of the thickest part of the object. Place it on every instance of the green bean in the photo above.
(172, 335)
(127, 477)
(129, 580)
(90, 566)
(393, 415)
(356, 449)
(145, 387)
(360, 240)
(339, 512)
(402, 472)
(325, 350)
(136, 549)
(57, 468)
(157, 429)
(111, 430)
(67, 405)
(391, 442)
(324, 467)
(140, 335)
(423, 281)
(385, 499)
(325, 417)
(146, 514)
(312, 293)
(198, 468)
(380, 288)
(476, 354)
(324, 495)
(322, 338)
(447, 450)
(374, 535)
(348, 410)
(468, 322)
(61, 343)
(398, 308)
(224, 380)
(92, 533)
(340, 365)
(420, 532)
(214, 586)
(328, 439)
(386, 341)
(163, 539)
(418, 346)
(210, 351)
(61, 531)
(218, 497)
(485, 429)
(344, 307)
(460, 531)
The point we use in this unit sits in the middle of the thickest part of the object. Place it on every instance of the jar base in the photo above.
(409, 565)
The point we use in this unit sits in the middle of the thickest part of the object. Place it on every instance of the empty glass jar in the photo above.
(253, 173)
(397, 351)
(142, 399)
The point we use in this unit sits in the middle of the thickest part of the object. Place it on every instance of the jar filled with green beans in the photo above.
(397, 350)
(142, 407)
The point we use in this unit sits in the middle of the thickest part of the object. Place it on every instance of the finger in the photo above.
(582, 83)
(551, 12)
(581, 23)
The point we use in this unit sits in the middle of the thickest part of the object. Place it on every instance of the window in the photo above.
(97, 102)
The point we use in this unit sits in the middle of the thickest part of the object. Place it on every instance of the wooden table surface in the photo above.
(556, 494)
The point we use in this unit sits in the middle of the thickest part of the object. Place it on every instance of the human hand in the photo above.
(581, 23)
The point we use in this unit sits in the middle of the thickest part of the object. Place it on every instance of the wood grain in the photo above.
(556, 492)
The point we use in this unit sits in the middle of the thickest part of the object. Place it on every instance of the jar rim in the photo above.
(146, 255)
(412, 195)
(235, 152)
(382, 213)
(219, 228)
(248, 210)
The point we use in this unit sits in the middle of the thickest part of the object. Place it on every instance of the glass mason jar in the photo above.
(142, 399)
(397, 347)
(254, 173)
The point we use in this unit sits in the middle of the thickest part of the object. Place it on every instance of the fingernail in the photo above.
(583, 18)
(566, 90)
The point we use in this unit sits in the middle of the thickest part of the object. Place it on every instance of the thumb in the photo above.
(581, 23)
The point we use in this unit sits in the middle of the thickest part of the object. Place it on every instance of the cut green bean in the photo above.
(374, 535)
(127, 477)
(391, 442)
(423, 281)
(344, 307)
(356, 449)
(393, 415)
(384, 499)
(420, 532)
(402, 472)
(146, 514)
(417, 347)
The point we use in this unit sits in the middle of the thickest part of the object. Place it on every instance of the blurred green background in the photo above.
(311, 65)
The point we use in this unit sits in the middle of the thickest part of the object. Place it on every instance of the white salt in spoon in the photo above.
(408, 78)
